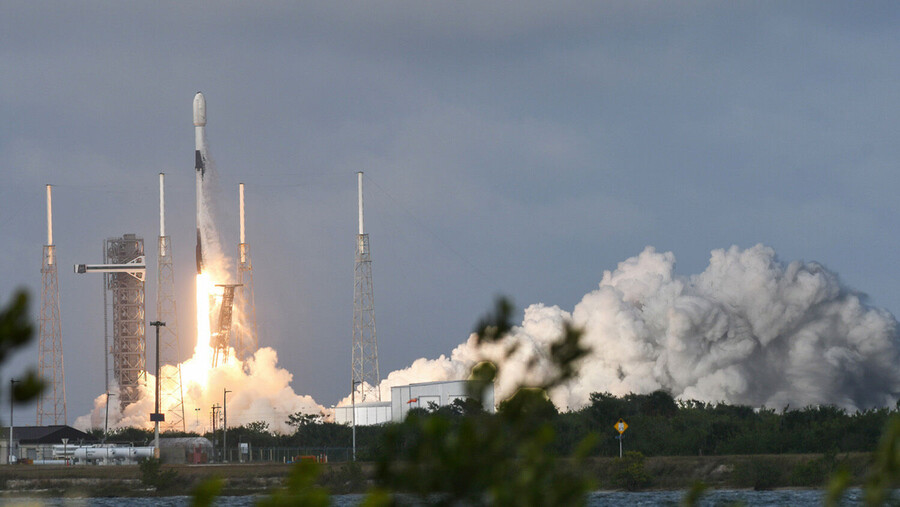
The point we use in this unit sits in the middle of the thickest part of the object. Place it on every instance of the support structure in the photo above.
(51, 406)
(246, 335)
(365, 347)
(124, 271)
(170, 381)
(219, 337)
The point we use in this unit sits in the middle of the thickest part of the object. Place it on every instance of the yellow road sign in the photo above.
(621, 426)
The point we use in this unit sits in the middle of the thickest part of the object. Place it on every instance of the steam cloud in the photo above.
(748, 330)
(259, 389)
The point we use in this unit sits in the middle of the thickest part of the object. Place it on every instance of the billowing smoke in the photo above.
(259, 389)
(748, 330)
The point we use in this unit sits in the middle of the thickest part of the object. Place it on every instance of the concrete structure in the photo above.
(367, 414)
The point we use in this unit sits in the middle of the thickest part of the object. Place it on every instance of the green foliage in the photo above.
(629, 472)
(16, 331)
(153, 475)
(884, 474)
(759, 473)
(299, 419)
(204, 495)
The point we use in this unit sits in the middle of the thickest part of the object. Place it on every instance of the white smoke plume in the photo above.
(259, 389)
(748, 330)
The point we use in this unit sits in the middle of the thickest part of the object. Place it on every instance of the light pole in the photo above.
(12, 455)
(156, 417)
(106, 424)
(224, 426)
(353, 414)
(197, 411)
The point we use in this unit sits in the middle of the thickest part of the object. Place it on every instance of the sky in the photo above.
(518, 149)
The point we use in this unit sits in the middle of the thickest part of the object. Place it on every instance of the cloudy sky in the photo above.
(508, 148)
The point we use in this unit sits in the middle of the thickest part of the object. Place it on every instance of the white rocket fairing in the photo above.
(199, 165)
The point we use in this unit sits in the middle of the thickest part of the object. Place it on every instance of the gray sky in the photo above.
(515, 148)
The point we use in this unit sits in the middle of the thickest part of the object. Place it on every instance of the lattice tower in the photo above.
(51, 408)
(52, 402)
(171, 394)
(129, 348)
(246, 335)
(365, 347)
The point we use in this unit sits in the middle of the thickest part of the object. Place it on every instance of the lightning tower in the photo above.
(246, 336)
(51, 407)
(365, 347)
(170, 375)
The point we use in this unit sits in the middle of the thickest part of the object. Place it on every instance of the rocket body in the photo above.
(199, 165)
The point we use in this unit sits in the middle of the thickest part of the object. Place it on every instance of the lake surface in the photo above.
(792, 497)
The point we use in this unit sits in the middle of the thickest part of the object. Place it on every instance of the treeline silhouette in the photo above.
(658, 425)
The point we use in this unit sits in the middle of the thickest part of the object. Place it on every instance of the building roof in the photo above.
(47, 434)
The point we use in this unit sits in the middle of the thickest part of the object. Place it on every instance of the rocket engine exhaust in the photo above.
(199, 166)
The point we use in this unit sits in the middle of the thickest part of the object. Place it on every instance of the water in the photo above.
(791, 497)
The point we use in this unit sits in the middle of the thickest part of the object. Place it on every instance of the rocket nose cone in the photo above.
(199, 110)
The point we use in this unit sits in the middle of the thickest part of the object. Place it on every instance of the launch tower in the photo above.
(365, 347)
(128, 328)
(51, 407)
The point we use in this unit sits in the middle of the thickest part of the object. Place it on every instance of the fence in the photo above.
(290, 454)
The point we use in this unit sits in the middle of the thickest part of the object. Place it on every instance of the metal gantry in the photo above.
(365, 346)
(129, 347)
(219, 338)
(51, 406)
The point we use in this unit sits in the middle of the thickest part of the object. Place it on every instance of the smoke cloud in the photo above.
(748, 330)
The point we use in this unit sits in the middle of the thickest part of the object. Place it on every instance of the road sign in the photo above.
(621, 426)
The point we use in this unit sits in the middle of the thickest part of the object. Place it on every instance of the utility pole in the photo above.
(353, 409)
(214, 418)
(156, 417)
(12, 456)
(106, 424)
(225, 426)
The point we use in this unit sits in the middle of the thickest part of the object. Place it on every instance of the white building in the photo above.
(367, 414)
(441, 394)
(404, 398)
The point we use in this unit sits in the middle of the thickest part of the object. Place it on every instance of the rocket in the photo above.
(199, 166)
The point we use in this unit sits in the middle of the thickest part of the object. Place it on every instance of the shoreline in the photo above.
(661, 473)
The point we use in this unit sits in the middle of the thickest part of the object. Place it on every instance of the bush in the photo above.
(757, 473)
(629, 472)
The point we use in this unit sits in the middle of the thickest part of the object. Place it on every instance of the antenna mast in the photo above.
(52, 402)
(365, 346)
